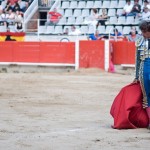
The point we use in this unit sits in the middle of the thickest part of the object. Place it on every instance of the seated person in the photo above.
(133, 36)
(18, 27)
(145, 14)
(136, 9)
(95, 36)
(127, 8)
(54, 17)
(74, 31)
(116, 35)
(102, 18)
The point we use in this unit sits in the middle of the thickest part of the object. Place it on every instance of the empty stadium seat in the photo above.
(97, 4)
(89, 4)
(62, 21)
(113, 4)
(79, 20)
(112, 12)
(42, 29)
(85, 12)
(71, 20)
(73, 4)
(112, 20)
(84, 29)
(121, 20)
(106, 4)
(101, 29)
(68, 12)
(65, 4)
(77, 13)
(50, 30)
(81, 4)
(130, 20)
(58, 30)
(126, 30)
(121, 3)
(109, 29)
(91, 30)
(3, 29)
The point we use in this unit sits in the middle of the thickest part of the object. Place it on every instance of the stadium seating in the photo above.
(76, 11)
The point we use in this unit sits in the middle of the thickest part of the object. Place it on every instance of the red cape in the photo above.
(127, 109)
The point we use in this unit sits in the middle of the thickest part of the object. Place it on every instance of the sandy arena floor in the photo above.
(63, 111)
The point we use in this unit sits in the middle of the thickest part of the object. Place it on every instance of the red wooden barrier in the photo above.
(123, 52)
(91, 54)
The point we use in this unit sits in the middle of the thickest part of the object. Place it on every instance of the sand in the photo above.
(64, 111)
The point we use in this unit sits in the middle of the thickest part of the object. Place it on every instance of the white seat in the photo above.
(84, 29)
(71, 21)
(77, 12)
(81, 4)
(136, 21)
(106, 4)
(109, 29)
(121, 3)
(65, 5)
(85, 12)
(79, 20)
(91, 30)
(119, 11)
(111, 12)
(101, 29)
(73, 4)
(58, 30)
(126, 30)
(130, 20)
(61, 11)
(68, 12)
(113, 4)
(121, 20)
(50, 30)
(3, 29)
(62, 21)
(112, 20)
(97, 4)
(89, 4)
(42, 29)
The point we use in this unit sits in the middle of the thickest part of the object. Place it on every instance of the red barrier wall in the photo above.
(123, 52)
(91, 54)
(37, 52)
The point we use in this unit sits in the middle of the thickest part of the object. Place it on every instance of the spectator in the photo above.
(8, 6)
(11, 17)
(18, 27)
(53, 17)
(3, 18)
(95, 36)
(133, 36)
(145, 4)
(136, 9)
(145, 14)
(74, 31)
(66, 32)
(93, 19)
(102, 18)
(16, 7)
(127, 8)
(116, 35)
(18, 16)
